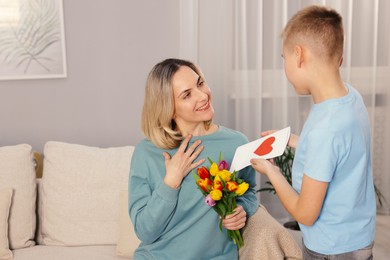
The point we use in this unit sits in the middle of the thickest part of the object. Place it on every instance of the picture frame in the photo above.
(32, 39)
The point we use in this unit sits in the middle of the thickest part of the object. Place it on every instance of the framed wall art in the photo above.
(32, 39)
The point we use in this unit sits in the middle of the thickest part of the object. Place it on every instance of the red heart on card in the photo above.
(265, 147)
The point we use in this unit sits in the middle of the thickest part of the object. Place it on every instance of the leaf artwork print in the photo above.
(28, 35)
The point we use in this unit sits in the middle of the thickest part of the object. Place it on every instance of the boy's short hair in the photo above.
(318, 27)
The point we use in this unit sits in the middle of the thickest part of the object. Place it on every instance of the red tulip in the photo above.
(203, 172)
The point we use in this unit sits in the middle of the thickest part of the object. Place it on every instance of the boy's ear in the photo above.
(298, 52)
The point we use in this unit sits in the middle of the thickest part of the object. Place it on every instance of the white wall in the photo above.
(111, 46)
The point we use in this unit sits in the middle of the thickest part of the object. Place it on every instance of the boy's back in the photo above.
(334, 147)
(333, 197)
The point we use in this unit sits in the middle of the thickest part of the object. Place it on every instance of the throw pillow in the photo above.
(80, 192)
(5, 203)
(17, 171)
(128, 240)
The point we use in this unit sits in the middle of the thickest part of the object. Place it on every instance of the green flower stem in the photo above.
(237, 238)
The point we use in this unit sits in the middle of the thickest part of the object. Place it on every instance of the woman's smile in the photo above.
(204, 107)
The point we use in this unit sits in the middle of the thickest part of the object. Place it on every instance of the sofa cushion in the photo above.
(17, 172)
(128, 240)
(80, 193)
(41, 252)
(5, 203)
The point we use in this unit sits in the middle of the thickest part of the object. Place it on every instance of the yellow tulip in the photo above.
(224, 175)
(242, 188)
(214, 169)
(216, 194)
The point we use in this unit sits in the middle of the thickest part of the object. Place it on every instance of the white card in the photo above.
(267, 147)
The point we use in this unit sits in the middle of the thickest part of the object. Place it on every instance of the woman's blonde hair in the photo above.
(318, 26)
(159, 104)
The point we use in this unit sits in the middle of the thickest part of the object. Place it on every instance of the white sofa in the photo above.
(78, 209)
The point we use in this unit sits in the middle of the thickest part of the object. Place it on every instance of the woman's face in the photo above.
(192, 99)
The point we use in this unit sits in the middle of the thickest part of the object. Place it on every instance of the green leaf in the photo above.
(211, 161)
(221, 208)
(196, 176)
(220, 156)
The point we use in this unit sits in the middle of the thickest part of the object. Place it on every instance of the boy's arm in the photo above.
(293, 141)
(304, 207)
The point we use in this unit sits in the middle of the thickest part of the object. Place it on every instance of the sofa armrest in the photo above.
(38, 161)
(265, 238)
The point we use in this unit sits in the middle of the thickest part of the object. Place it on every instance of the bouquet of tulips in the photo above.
(220, 188)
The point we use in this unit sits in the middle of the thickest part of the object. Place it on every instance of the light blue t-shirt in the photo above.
(334, 147)
(176, 223)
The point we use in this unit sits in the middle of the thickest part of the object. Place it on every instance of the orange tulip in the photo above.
(217, 185)
(232, 185)
(205, 184)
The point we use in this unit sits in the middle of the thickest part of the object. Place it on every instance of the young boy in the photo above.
(333, 195)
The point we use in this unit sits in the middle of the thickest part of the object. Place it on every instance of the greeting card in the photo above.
(267, 147)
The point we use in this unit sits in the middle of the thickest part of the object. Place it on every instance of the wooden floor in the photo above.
(382, 238)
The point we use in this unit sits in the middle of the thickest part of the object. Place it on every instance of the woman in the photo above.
(165, 205)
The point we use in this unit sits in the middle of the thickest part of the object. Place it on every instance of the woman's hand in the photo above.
(236, 220)
(182, 162)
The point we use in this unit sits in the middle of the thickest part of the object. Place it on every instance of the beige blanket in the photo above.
(269, 240)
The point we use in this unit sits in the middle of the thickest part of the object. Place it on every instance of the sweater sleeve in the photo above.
(249, 200)
(150, 210)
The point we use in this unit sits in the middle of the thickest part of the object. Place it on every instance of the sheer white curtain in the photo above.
(237, 45)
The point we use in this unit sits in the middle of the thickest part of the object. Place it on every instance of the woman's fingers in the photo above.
(188, 156)
(194, 148)
(182, 162)
(197, 164)
(236, 220)
(166, 156)
(184, 144)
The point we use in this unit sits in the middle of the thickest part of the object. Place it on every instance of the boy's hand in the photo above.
(263, 166)
(292, 142)
(268, 132)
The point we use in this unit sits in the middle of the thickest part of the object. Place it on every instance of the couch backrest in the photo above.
(17, 173)
(80, 193)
